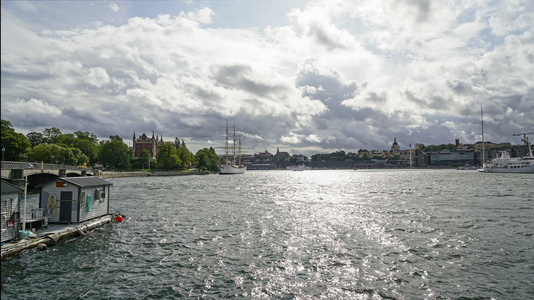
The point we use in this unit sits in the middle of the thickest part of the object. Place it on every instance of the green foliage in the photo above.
(167, 157)
(144, 155)
(44, 153)
(437, 148)
(91, 137)
(35, 138)
(207, 159)
(185, 156)
(115, 154)
(6, 126)
(89, 149)
(334, 156)
(15, 144)
(66, 140)
(51, 135)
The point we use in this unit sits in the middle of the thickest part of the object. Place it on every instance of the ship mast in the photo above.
(226, 144)
(233, 148)
(483, 143)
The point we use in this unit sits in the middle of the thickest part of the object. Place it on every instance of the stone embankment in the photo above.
(146, 174)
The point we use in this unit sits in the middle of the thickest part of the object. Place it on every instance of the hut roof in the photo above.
(9, 188)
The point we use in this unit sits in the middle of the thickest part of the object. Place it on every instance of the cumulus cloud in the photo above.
(337, 75)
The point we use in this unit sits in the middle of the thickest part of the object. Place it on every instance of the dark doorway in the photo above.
(65, 207)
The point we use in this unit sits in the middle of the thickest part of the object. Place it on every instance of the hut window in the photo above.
(100, 195)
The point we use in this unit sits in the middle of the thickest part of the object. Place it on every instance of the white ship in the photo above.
(231, 162)
(298, 168)
(506, 164)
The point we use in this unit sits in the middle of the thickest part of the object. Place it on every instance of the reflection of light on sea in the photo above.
(325, 217)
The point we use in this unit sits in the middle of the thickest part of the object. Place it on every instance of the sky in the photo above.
(303, 76)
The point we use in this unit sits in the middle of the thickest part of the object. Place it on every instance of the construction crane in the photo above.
(525, 140)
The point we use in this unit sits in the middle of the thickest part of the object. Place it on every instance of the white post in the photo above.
(410, 155)
(29, 166)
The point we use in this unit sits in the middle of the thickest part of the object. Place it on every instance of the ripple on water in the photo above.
(387, 234)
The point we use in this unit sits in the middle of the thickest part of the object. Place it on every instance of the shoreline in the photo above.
(105, 175)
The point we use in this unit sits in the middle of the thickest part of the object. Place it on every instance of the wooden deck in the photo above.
(53, 233)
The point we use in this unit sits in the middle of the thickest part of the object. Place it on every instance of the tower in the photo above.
(395, 149)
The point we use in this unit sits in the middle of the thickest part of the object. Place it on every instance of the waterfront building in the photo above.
(450, 158)
(143, 142)
(363, 153)
(74, 199)
(281, 154)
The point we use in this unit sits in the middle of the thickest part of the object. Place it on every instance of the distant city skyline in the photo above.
(305, 76)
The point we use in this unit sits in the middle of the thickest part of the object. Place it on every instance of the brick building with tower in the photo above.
(144, 142)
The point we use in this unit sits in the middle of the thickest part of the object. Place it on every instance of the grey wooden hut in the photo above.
(75, 199)
(11, 195)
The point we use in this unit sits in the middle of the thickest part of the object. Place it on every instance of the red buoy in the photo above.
(118, 218)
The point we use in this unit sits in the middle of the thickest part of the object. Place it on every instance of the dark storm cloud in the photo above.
(324, 38)
(241, 77)
(422, 8)
(460, 88)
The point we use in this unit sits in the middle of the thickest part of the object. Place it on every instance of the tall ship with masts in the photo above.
(230, 163)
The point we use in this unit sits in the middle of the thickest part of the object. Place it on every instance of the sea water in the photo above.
(332, 234)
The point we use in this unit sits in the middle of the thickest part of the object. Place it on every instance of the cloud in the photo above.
(26, 6)
(98, 77)
(337, 75)
(114, 7)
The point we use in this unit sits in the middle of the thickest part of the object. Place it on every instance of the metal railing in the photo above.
(7, 165)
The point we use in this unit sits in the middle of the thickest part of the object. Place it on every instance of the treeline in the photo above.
(83, 148)
(335, 156)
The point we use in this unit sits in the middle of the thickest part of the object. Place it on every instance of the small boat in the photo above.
(506, 164)
(466, 167)
(231, 164)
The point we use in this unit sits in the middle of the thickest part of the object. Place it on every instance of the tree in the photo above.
(176, 143)
(15, 145)
(51, 135)
(6, 126)
(66, 140)
(35, 138)
(115, 153)
(167, 157)
(86, 136)
(44, 153)
(89, 149)
(184, 155)
(207, 159)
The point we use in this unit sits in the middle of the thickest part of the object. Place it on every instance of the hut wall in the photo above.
(99, 199)
(60, 203)
(10, 222)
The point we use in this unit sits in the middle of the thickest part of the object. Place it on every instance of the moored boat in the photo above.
(231, 162)
(298, 168)
(506, 164)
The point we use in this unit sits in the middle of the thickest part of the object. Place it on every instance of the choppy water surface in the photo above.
(406, 234)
